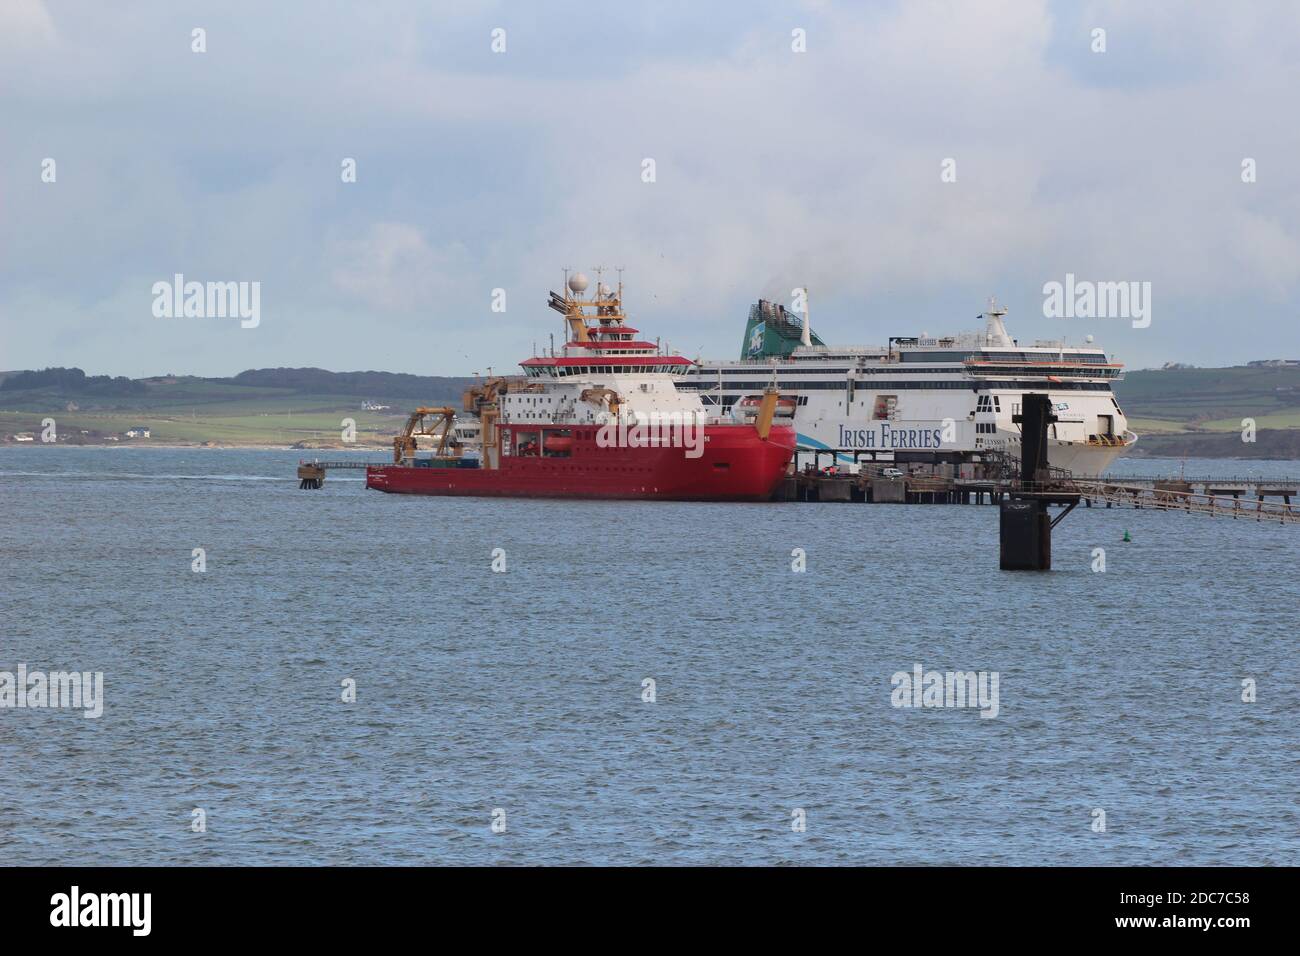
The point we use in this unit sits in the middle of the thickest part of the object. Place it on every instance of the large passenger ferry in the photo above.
(949, 399)
(602, 417)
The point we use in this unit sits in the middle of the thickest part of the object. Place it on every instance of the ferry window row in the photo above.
(935, 356)
(801, 386)
(912, 357)
(892, 370)
(1054, 370)
(1013, 370)
(1089, 358)
(729, 400)
(749, 371)
(797, 386)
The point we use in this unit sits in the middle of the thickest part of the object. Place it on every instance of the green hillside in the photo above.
(1194, 411)
(1199, 411)
(1216, 399)
(262, 407)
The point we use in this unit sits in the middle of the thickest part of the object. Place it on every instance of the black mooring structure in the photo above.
(1026, 527)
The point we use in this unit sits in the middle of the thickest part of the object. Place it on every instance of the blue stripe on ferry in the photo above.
(814, 444)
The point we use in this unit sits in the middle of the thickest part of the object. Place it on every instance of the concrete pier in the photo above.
(888, 490)
(1257, 500)
(832, 490)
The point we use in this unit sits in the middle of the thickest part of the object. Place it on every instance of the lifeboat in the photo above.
(746, 409)
(559, 443)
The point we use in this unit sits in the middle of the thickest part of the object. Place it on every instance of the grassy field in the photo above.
(195, 411)
(1198, 412)
(1192, 411)
(285, 425)
(1151, 425)
(1210, 399)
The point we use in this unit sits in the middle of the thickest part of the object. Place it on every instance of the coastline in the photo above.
(1161, 451)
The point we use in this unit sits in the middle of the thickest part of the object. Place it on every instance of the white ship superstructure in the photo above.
(944, 399)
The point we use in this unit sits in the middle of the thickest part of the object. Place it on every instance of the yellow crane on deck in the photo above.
(404, 444)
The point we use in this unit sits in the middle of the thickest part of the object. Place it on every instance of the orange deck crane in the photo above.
(404, 444)
(481, 400)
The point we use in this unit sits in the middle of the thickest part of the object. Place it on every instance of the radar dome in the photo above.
(1088, 339)
(578, 282)
(602, 288)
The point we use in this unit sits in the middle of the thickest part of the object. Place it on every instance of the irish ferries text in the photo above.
(886, 435)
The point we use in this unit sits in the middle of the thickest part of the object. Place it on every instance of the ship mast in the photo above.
(605, 305)
(995, 333)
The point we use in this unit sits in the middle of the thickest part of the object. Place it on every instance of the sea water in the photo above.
(343, 677)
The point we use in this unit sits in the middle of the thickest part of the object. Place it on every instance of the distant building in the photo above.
(139, 431)
(24, 436)
(1274, 363)
(1173, 365)
(374, 407)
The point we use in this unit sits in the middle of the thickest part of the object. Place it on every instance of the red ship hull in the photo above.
(736, 465)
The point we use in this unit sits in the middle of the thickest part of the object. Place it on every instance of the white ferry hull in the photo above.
(1080, 458)
(947, 400)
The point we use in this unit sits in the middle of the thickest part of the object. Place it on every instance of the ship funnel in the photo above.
(805, 337)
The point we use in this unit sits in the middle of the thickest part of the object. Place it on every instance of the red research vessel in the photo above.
(600, 418)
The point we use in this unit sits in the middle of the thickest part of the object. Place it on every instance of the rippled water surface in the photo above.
(522, 690)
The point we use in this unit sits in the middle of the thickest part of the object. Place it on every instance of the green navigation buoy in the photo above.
(1126, 535)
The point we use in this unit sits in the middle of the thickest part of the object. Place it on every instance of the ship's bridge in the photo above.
(627, 347)
(598, 340)
(652, 364)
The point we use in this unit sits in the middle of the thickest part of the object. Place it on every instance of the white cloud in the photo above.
(25, 24)
(394, 267)
(775, 169)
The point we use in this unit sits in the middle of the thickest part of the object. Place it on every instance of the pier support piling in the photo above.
(311, 475)
(1025, 527)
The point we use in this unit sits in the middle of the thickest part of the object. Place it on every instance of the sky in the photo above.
(774, 169)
